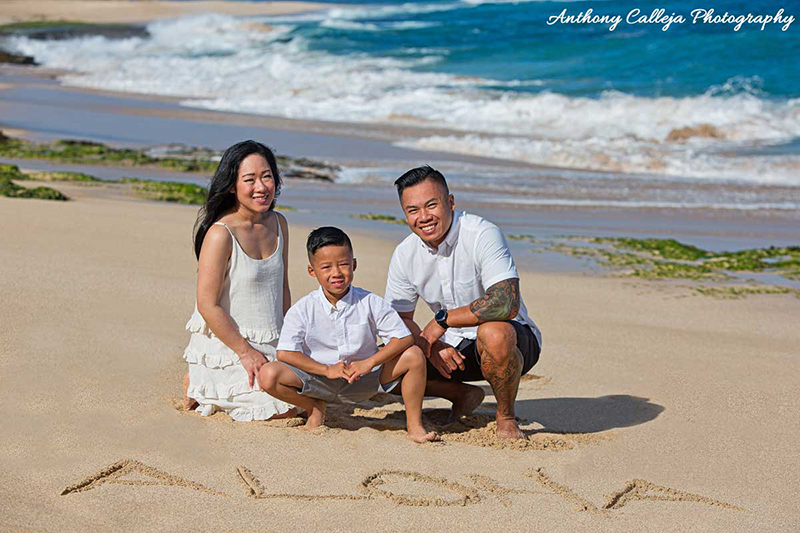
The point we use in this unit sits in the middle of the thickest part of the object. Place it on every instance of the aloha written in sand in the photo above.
(383, 484)
(660, 17)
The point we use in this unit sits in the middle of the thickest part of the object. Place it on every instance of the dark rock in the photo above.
(67, 30)
(306, 173)
(16, 59)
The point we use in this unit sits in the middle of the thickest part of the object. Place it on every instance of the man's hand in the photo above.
(339, 370)
(445, 358)
(432, 333)
(252, 361)
(358, 369)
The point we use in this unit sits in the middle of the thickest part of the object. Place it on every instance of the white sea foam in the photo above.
(379, 12)
(223, 63)
(624, 155)
(564, 202)
(353, 25)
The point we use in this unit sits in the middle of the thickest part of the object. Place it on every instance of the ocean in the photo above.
(698, 107)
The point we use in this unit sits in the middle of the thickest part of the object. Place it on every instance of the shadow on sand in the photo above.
(555, 415)
(587, 415)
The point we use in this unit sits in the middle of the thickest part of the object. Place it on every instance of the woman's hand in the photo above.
(252, 361)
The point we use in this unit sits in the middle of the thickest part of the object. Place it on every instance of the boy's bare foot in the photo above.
(508, 429)
(421, 436)
(317, 416)
(188, 403)
(466, 402)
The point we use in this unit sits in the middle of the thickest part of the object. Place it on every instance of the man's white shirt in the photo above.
(344, 332)
(473, 257)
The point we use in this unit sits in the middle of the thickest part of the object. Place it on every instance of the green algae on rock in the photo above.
(168, 191)
(671, 259)
(381, 218)
(12, 190)
(178, 158)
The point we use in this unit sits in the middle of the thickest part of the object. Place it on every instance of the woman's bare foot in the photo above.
(420, 436)
(508, 429)
(188, 403)
(317, 416)
(466, 402)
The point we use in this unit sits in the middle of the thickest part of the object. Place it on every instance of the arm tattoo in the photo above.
(501, 302)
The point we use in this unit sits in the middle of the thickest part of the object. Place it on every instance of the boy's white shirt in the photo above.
(345, 332)
(473, 257)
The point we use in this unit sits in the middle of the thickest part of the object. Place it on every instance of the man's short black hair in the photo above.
(418, 175)
(326, 236)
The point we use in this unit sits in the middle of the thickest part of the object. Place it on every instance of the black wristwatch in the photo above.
(441, 318)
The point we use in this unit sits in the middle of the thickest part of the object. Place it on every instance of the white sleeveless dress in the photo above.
(252, 294)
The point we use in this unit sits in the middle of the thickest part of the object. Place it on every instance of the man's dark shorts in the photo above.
(526, 342)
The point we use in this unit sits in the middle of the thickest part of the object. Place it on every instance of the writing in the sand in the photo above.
(378, 485)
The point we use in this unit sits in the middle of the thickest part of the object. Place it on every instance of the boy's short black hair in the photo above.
(418, 175)
(326, 236)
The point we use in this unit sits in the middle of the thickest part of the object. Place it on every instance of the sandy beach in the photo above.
(136, 11)
(653, 408)
(693, 397)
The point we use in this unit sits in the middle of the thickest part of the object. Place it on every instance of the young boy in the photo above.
(327, 350)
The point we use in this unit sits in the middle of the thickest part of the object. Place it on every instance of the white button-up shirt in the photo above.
(473, 257)
(344, 332)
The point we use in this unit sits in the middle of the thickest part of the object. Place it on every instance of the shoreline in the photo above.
(36, 104)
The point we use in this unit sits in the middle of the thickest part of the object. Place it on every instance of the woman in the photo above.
(241, 243)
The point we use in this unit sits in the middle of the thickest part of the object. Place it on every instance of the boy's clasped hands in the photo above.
(349, 371)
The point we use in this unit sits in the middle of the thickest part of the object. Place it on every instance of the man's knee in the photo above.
(496, 338)
(414, 358)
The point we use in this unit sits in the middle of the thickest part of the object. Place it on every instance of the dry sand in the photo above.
(135, 11)
(648, 411)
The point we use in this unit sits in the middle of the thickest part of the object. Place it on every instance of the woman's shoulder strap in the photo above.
(224, 225)
(280, 226)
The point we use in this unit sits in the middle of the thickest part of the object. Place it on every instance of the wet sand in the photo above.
(137, 11)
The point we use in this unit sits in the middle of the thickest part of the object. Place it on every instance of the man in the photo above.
(460, 265)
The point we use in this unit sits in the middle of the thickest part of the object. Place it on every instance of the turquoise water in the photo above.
(513, 42)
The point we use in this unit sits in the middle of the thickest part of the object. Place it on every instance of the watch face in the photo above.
(440, 314)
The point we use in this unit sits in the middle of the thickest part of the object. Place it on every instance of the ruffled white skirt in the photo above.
(218, 381)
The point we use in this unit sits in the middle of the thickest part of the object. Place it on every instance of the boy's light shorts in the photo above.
(339, 390)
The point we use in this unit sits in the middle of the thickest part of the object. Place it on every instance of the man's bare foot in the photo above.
(188, 403)
(466, 402)
(291, 413)
(508, 429)
(421, 436)
(316, 417)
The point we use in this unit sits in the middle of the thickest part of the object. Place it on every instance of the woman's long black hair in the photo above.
(220, 199)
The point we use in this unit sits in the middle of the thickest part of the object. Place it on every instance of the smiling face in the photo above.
(333, 266)
(429, 211)
(255, 186)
